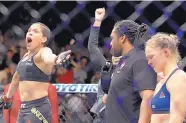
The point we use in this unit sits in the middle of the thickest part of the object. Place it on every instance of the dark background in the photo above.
(79, 16)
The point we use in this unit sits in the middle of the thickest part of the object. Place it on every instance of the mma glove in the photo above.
(63, 58)
(106, 74)
(5, 103)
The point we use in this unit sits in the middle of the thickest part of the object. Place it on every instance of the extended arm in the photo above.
(13, 86)
(49, 58)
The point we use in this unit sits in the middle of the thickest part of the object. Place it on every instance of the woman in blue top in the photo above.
(169, 101)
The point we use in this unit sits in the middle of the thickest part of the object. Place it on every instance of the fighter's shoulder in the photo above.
(178, 79)
(45, 49)
(42, 52)
(181, 75)
(23, 57)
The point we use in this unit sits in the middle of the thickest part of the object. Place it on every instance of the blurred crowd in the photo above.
(11, 52)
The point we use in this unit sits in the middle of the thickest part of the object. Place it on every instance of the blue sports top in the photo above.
(28, 71)
(160, 103)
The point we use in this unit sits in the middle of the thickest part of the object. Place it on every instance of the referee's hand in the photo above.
(100, 14)
(104, 98)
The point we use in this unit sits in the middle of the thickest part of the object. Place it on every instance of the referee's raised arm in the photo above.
(97, 58)
(96, 55)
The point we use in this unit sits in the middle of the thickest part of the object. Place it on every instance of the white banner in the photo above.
(77, 88)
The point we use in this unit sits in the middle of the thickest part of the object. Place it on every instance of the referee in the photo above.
(133, 81)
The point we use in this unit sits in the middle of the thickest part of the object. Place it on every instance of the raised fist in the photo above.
(100, 13)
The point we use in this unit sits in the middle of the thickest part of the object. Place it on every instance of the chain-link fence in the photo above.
(62, 17)
(74, 108)
(72, 19)
(75, 102)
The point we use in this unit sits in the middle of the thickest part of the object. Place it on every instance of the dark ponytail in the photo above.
(142, 36)
(136, 34)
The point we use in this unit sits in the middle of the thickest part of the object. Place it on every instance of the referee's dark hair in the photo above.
(132, 30)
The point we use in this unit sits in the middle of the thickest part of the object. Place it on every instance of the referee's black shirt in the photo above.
(132, 75)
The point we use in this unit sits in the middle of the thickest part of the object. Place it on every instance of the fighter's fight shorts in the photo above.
(36, 111)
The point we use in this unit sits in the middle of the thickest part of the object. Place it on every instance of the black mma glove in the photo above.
(67, 64)
(106, 74)
(63, 57)
(5, 103)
